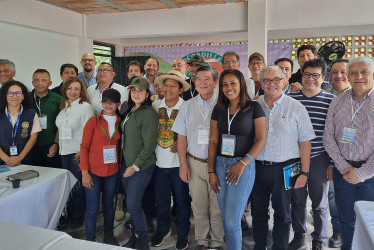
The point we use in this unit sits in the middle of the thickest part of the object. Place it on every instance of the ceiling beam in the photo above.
(170, 3)
(116, 6)
(229, 1)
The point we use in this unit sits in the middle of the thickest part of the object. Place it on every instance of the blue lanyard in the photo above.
(14, 130)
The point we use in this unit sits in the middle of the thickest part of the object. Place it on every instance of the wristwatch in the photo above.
(305, 173)
(136, 168)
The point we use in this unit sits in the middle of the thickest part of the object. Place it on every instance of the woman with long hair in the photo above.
(237, 136)
(75, 112)
(19, 125)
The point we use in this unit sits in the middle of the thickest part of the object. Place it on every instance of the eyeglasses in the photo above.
(357, 73)
(267, 81)
(315, 76)
(229, 62)
(103, 71)
(17, 93)
(88, 60)
(256, 63)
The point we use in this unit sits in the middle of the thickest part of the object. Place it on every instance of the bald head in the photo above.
(88, 63)
(180, 65)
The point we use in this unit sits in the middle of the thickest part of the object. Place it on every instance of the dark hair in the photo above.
(284, 59)
(4, 91)
(65, 87)
(344, 60)
(158, 63)
(42, 71)
(316, 63)
(213, 71)
(141, 67)
(307, 47)
(245, 101)
(228, 53)
(68, 65)
(106, 63)
(131, 103)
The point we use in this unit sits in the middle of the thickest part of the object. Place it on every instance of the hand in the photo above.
(350, 176)
(184, 173)
(301, 181)
(87, 179)
(14, 161)
(52, 150)
(330, 172)
(214, 182)
(256, 97)
(129, 171)
(173, 148)
(295, 86)
(77, 157)
(234, 173)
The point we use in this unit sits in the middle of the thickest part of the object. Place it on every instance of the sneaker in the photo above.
(150, 226)
(200, 247)
(119, 214)
(244, 223)
(159, 237)
(317, 245)
(62, 222)
(335, 240)
(182, 243)
(131, 242)
(298, 242)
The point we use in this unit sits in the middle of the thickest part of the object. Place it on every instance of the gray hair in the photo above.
(11, 64)
(213, 71)
(362, 59)
(227, 53)
(268, 68)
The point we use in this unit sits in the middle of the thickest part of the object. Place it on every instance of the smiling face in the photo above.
(151, 67)
(41, 82)
(338, 76)
(255, 66)
(171, 89)
(361, 78)
(286, 67)
(138, 95)
(6, 73)
(205, 84)
(272, 89)
(109, 107)
(105, 74)
(14, 100)
(304, 56)
(74, 91)
(134, 70)
(312, 79)
(231, 87)
(180, 65)
(230, 62)
(88, 62)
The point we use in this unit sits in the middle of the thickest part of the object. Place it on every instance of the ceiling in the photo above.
(115, 6)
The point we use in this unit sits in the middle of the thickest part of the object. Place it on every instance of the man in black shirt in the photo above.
(67, 70)
(304, 53)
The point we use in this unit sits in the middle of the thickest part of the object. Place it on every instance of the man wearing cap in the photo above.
(194, 62)
(192, 125)
(88, 75)
(151, 67)
(105, 75)
(166, 176)
(256, 63)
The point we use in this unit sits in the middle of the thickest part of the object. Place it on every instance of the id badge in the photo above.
(110, 154)
(13, 150)
(228, 145)
(202, 136)
(43, 121)
(348, 135)
(66, 133)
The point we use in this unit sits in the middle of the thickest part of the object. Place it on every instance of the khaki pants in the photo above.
(207, 214)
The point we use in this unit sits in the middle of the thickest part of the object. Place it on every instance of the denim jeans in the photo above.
(166, 180)
(77, 201)
(135, 186)
(232, 199)
(346, 194)
(108, 185)
(334, 213)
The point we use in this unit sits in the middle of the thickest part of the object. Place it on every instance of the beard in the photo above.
(87, 69)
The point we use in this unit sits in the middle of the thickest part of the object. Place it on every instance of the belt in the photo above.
(267, 163)
(276, 164)
(196, 158)
(356, 164)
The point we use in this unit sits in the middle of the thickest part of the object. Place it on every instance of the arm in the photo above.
(184, 169)
(54, 148)
(305, 149)
(4, 156)
(16, 160)
(296, 86)
(212, 154)
(88, 132)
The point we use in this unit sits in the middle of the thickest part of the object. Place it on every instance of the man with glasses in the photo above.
(194, 62)
(180, 65)
(317, 102)
(288, 141)
(105, 75)
(88, 75)
(349, 140)
(256, 63)
(230, 60)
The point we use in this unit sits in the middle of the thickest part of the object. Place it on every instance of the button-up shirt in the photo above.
(288, 123)
(193, 115)
(340, 116)
(88, 81)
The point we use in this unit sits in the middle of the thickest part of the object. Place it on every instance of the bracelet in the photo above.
(250, 157)
(55, 143)
(211, 172)
(243, 163)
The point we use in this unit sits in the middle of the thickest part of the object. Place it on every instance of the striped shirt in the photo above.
(317, 107)
(339, 116)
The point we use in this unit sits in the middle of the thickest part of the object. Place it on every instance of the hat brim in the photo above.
(185, 84)
(137, 86)
(110, 99)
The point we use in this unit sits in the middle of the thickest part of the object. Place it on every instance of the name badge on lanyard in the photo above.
(110, 154)
(202, 135)
(229, 141)
(13, 148)
(43, 121)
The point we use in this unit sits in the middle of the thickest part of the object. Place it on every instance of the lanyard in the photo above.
(201, 111)
(14, 129)
(192, 93)
(106, 135)
(85, 81)
(354, 113)
(38, 105)
(230, 121)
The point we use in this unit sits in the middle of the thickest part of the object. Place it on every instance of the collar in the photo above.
(209, 102)
(365, 97)
(176, 106)
(6, 110)
(36, 96)
(276, 103)
(110, 86)
(76, 102)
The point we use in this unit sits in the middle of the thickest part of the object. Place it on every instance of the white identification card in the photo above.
(348, 135)
(110, 154)
(228, 145)
(203, 136)
(13, 150)
(43, 121)
(66, 133)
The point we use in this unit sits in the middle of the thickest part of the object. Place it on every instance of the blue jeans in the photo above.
(108, 185)
(166, 180)
(135, 186)
(232, 199)
(77, 202)
(334, 213)
(346, 194)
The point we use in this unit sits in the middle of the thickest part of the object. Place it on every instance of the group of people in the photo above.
(213, 143)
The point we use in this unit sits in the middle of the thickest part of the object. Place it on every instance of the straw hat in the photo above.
(176, 75)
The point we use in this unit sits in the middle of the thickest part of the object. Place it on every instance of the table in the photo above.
(363, 237)
(39, 201)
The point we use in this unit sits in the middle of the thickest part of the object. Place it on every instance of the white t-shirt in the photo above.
(111, 119)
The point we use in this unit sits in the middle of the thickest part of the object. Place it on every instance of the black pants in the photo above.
(40, 158)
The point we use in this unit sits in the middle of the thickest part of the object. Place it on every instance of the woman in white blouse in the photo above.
(75, 111)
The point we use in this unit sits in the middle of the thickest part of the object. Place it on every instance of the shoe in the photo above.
(244, 223)
(76, 222)
(128, 224)
(200, 247)
(335, 240)
(141, 241)
(159, 237)
(119, 214)
(317, 245)
(62, 222)
(150, 226)
(110, 239)
(131, 242)
(298, 242)
(182, 243)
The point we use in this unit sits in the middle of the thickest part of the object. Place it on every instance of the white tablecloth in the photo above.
(39, 201)
(363, 238)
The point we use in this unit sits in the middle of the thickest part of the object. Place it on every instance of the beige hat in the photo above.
(176, 75)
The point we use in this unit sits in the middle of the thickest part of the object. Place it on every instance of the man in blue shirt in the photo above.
(88, 75)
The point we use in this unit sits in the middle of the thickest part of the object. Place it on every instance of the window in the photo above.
(103, 53)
